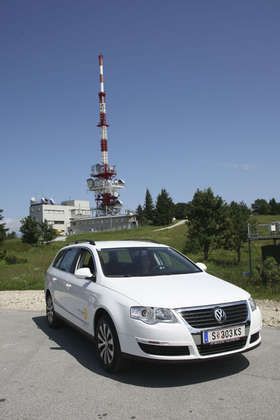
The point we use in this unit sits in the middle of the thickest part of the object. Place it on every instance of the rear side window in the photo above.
(58, 259)
(66, 259)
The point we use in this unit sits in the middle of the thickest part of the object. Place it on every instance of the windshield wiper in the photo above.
(118, 275)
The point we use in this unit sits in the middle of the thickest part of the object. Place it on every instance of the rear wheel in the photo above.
(52, 318)
(107, 345)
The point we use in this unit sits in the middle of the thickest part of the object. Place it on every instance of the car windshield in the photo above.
(144, 261)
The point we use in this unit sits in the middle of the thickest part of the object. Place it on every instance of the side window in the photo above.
(58, 259)
(67, 261)
(86, 260)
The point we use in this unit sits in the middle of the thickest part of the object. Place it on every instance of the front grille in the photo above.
(204, 317)
(165, 350)
(206, 349)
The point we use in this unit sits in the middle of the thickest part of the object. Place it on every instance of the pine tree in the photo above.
(140, 215)
(30, 229)
(274, 206)
(48, 232)
(148, 211)
(180, 210)
(261, 206)
(206, 215)
(236, 227)
(164, 211)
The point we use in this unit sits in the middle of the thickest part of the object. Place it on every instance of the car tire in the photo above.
(107, 345)
(52, 318)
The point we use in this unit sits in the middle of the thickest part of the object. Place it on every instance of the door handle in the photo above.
(68, 285)
(54, 279)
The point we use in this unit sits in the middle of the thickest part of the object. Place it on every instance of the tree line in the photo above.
(162, 212)
(164, 209)
(212, 223)
(3, 229)
(4, 232)
(262, 206)
(32, 231)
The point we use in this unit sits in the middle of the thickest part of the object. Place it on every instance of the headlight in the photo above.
(252, 304)
(151, 315)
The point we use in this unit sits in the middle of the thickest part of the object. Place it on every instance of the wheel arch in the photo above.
(117, 363)
(98, 314)
(104, 311)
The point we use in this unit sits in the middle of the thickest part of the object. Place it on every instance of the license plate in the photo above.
(223, 334)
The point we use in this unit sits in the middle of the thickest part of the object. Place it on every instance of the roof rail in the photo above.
(90, 241)
(141, 240)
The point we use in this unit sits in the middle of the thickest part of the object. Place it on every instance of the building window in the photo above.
(53, 211)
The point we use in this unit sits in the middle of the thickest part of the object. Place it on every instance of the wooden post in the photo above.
(250, 258)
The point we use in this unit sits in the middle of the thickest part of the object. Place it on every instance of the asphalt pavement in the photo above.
(54, 374)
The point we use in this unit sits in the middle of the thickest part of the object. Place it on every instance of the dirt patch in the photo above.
(29, 300)
(270, 312)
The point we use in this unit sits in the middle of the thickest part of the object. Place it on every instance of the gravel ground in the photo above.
(29, 300)
(33, 300)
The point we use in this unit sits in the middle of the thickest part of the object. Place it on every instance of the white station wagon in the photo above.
(147, 300)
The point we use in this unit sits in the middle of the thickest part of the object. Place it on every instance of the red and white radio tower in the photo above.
(102, 179)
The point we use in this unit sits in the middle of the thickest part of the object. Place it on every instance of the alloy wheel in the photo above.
(105, 343)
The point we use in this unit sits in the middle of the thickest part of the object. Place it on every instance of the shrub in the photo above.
(13, 259)
(270, 272)
(3, 254)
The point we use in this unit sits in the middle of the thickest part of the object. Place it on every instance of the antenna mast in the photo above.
(102, 115)
(102, 179)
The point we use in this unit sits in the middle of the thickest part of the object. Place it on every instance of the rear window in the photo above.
(65, 260)
(58, 258)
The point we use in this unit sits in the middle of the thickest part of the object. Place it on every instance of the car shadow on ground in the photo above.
(140, 373)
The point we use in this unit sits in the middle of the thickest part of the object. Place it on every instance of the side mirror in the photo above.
(84, 273)
(202, 266)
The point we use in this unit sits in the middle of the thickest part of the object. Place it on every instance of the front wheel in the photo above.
(107, 345)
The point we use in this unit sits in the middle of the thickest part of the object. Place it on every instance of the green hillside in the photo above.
(30, 274)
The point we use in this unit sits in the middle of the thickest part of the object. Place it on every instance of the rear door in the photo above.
(61, 274)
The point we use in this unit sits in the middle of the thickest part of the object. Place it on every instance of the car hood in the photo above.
(177, 291)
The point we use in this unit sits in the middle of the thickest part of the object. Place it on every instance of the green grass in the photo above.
(222, 263)
(175, 237)
(30, 275)
(267, 218)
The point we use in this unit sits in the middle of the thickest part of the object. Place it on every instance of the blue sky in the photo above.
(192, 98)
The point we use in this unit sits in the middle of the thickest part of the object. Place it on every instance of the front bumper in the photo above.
(179, 341)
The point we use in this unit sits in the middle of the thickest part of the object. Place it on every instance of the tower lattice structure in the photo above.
(103, 178)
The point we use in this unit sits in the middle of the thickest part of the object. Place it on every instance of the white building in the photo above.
(59, 216)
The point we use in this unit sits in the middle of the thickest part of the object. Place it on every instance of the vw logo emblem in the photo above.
(220, 315)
